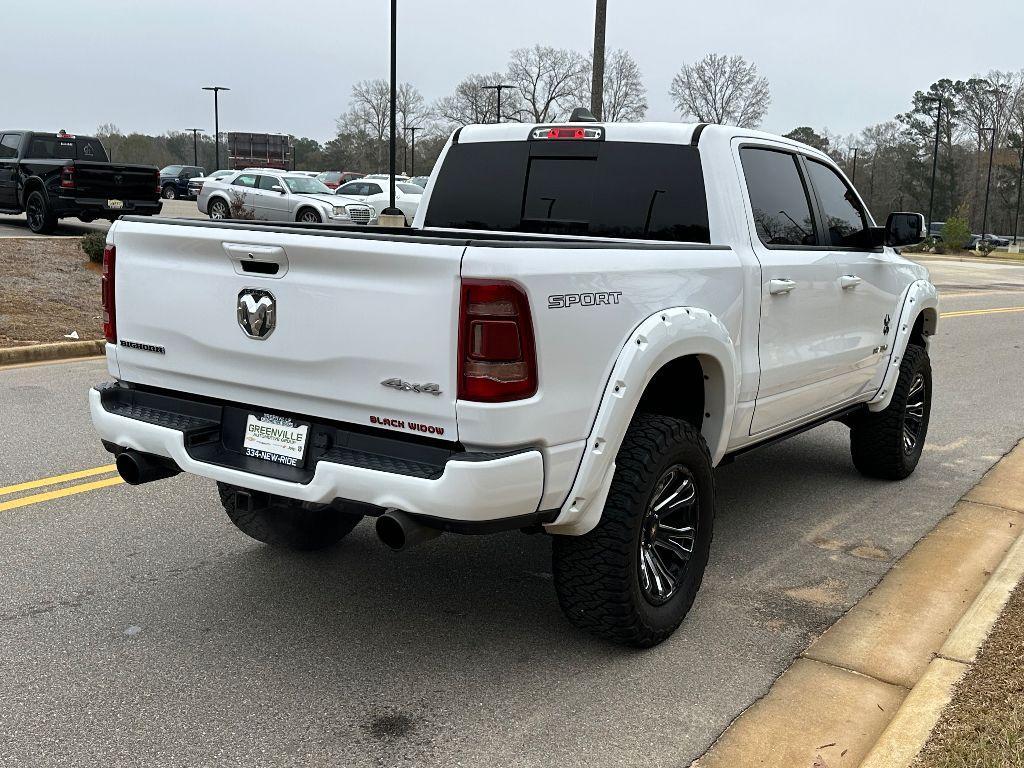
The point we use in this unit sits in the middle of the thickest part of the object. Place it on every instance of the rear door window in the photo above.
(846, 223)
(9, 146)
(778, 198)
(604, 189)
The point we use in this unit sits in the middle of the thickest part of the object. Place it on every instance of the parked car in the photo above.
(335, 179)
(273, 196)
(174, 180)
(367, 198)
(195, 185)
(994, 241)
(385, 177)
(310, 174)
(51, 176)
(582, 323)
(420, 181)
(935, 229)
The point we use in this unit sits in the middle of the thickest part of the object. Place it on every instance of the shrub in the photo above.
(956, 234)
(239, 210)
(93, 244)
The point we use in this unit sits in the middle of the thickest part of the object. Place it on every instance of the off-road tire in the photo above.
(597, 575)
(876, 439)
(39, 214)
(288, 523)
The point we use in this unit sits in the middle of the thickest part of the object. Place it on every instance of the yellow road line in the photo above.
(57, 479)
(969, 312)
(25, 501)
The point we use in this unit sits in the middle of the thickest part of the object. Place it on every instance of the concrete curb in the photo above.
(62, 350)
(912, 724)
(905, 644)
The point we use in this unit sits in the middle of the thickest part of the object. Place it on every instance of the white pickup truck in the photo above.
(582, 322)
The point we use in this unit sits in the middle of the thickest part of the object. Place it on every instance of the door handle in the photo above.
(850, 281)
(780, 286)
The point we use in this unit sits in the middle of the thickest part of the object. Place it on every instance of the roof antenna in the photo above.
(582, 115)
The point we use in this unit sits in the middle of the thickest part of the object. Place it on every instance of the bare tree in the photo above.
(721, 89)
(625, 95)
(548, 81)
(369, 109)
(470, 103)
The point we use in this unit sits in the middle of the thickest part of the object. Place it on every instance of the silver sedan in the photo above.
(271, 196)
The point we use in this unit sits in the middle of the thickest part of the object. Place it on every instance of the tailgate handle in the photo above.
(264, 260)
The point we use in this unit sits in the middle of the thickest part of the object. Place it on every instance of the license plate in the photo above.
(275, 439)
(115, 203)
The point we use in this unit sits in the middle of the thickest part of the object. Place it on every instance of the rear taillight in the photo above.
(107, 291)
(67, 177)
(497, 358)
(159, 189)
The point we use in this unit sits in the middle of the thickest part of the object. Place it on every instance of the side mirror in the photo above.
(277, 188)
(904, 229)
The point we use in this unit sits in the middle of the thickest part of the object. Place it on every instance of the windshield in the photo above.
(333, 176)
(410, 189)
(303, 185)
(606, 189)
(171, 170)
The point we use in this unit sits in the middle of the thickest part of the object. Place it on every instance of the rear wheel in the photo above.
(39, 215)
(888, 444)
(288, 523)
(309, 216)
(169, 192)
(634, 577)
(219, 209)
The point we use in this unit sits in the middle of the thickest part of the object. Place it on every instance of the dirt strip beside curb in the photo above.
(869, 691)
(62, 350)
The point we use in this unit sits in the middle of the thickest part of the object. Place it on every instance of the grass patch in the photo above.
(983, 726)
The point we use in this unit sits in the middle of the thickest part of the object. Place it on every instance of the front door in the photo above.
(799, 333)
(870, 279)
(272, 204)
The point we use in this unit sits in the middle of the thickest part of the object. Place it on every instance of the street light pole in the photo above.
(935, 159)
(412, 165)
(499, 88)
(597, 76)
(988, 183)
(195, 144)
(216, 119)
(391, 210)
(1020, 185)
(854, 178)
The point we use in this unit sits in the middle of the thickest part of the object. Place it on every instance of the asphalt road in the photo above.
(138, 627)
(16, 226)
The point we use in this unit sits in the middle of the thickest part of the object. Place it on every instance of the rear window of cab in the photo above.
(65, 148)
(599, 189)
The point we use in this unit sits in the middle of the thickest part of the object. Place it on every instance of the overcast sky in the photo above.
(141, 64)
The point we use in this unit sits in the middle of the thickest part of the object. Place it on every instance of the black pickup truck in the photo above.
(51, 176)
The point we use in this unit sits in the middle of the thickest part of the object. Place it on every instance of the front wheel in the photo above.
(888, 444)
(219, 209)
(309, 216)
(633, 578)
(288, 523)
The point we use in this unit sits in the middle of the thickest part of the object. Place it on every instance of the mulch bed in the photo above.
(983, 726)
(48, 289)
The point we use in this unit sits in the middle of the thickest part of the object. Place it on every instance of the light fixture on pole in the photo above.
(216, 119)
(499, 88)
(195, 144)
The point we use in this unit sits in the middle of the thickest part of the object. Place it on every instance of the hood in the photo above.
(319, 197)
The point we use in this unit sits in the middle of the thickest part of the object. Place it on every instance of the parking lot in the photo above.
(138, 626)
(16, 226)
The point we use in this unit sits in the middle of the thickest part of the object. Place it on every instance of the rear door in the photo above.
(9, 143)
(798, 341)
(243, 189)
(870, 282)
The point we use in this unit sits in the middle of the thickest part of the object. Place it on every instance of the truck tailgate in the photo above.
(350, 313)
(110, 181)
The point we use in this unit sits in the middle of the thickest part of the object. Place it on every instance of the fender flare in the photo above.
(661, 338)
(28, 186)
(920, 298)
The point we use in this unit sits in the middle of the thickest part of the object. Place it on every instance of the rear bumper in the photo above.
(471, 488)
(99, 208)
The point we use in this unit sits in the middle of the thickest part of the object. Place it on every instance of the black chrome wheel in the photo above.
(39, 215)
(913, 413)
(667, 535)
